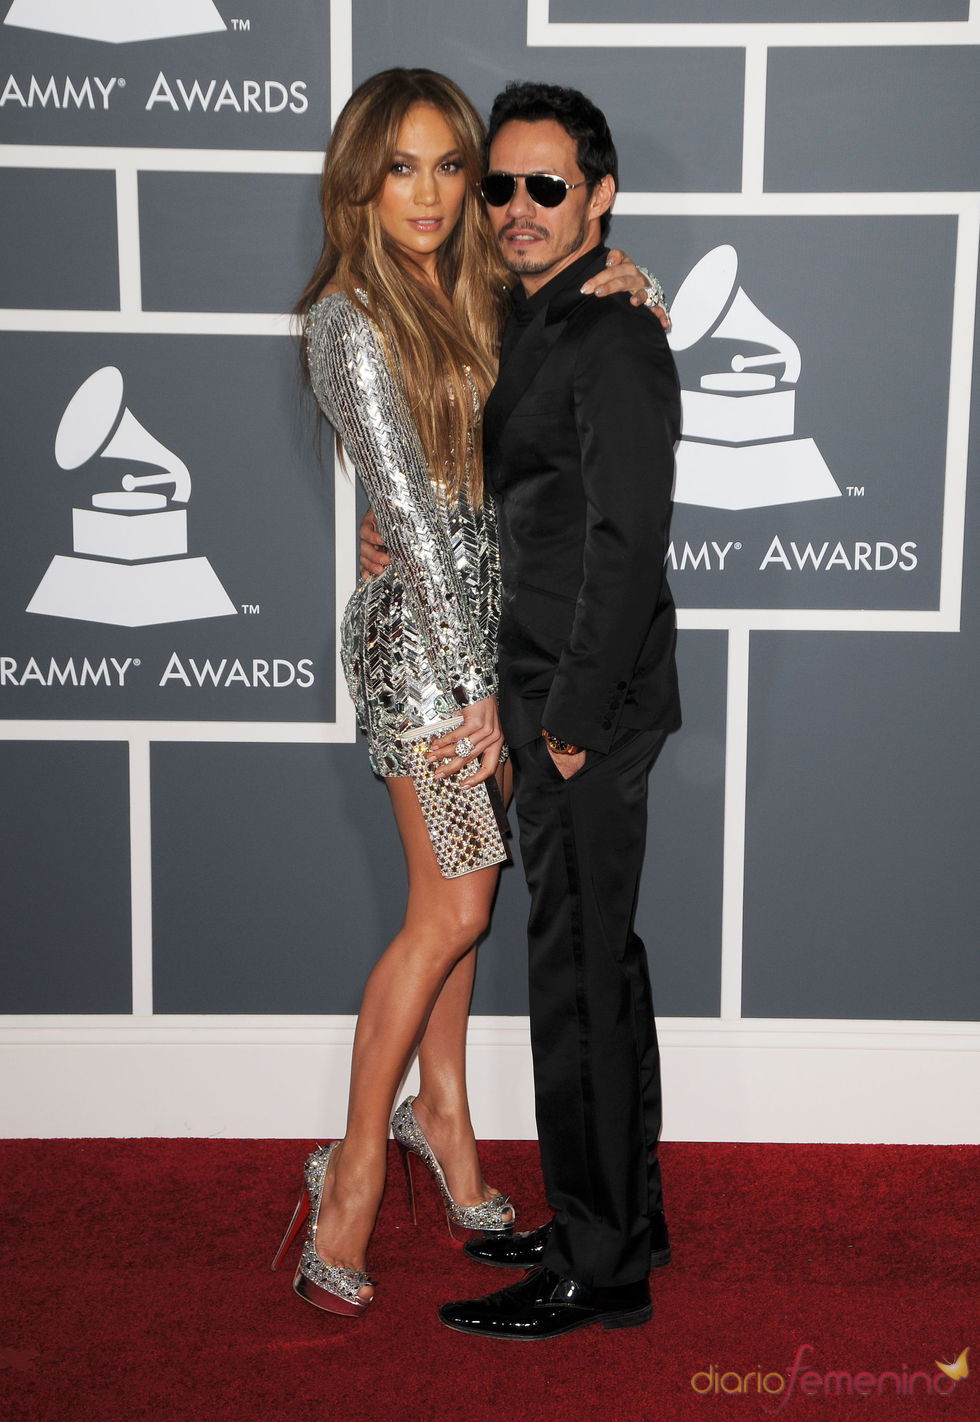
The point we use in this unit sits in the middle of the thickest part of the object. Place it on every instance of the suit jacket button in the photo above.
(606, 724)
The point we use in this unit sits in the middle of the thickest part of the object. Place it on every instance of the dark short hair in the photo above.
(529, 102)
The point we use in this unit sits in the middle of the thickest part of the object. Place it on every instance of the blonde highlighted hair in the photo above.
(436, 355)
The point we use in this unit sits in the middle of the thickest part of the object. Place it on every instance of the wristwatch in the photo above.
(557, 746)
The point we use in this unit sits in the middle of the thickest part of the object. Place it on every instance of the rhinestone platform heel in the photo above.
(328, 1286)
(493, 1216)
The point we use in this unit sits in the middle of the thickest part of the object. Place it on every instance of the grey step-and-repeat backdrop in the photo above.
(190, 825)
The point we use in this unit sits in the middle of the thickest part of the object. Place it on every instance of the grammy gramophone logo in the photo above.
(117, 21)
(739, 448)
(129, 566)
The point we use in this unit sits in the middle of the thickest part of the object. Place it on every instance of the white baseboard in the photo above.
(750, 1080)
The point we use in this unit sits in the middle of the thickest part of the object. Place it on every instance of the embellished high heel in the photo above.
(489, 1216)
(331, 1287)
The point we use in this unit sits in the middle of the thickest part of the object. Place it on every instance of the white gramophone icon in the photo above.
(738, 449)
(117, 21)
(130, 566)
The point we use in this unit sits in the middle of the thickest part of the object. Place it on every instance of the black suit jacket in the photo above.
(579, 437)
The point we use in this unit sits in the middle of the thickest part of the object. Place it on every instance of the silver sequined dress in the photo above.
(427, 625)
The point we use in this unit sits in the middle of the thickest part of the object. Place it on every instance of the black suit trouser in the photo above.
(593, 1035)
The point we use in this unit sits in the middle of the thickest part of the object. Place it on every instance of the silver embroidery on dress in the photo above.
(428, 623)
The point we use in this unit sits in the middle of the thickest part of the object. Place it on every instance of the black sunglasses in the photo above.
(545, 189)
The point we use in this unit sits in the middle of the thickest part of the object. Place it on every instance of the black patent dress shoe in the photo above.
(525, 1249)
(544, 1305)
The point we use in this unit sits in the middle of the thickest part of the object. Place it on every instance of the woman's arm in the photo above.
(361, 399)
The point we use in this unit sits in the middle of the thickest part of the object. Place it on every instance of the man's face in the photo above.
(538, 242)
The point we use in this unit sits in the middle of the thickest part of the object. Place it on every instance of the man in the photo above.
(579, 436)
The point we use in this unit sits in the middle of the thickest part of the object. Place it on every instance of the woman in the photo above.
(401, 319)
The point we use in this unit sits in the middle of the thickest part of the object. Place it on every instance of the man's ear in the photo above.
(602, 196)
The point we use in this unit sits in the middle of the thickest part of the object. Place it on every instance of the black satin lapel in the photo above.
(513, 381)
(529, 355)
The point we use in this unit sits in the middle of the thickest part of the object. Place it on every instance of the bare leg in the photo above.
(442, 1106)
(443, 918)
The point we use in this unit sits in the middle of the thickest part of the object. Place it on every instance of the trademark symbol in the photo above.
(738, 547)
(855, 491)
(137, 662)
(121, 83)
(240, 25)
(250, 609)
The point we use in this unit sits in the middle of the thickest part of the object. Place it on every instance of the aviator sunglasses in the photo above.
(545, 189)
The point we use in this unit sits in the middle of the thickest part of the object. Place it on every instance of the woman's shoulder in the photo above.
(335, 312)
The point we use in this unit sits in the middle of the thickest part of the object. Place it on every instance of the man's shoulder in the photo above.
(609, 333)
(615, 319)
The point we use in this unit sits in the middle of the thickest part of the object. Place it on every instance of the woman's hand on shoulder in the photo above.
(622, 274)
(481, 735)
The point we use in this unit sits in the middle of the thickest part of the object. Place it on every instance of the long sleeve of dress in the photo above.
(364, 403)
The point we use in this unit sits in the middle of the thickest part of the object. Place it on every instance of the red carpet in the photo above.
(135, 1284)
